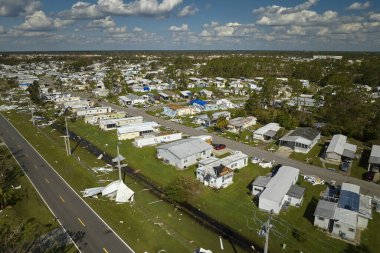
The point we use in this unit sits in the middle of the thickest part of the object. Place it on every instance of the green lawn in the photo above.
(29, 210)
(139, 222)
(312, 156)
(233, 205)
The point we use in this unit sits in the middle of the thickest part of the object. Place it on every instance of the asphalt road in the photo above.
(306, 169)
(87, 229)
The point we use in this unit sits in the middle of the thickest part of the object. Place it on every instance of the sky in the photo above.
(318, 25)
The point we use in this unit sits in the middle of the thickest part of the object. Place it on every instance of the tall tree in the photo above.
(114, 78)
(34, 92)
(269, 91)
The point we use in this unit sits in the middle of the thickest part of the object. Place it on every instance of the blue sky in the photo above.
(48, 25)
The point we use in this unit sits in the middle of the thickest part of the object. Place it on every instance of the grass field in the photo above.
(234, 205)
(138, 223)
(29, 210)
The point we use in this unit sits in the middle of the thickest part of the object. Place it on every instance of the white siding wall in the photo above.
(344, 228)
(324, 224)
(333, 156)
(362, 223)
(157, 139)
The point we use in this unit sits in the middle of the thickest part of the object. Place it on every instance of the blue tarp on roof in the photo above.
(349, 200)
(146, 88)
(198, 101)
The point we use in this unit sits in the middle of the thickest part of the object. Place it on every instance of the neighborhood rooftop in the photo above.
(186, 147)
(375, 155)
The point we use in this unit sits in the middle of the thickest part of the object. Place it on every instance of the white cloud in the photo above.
(85, 10)
(108, 24)
(117, 30)
(296, 30)
(303, 17)
(350, 27)
(375, 16)
(299, 15)
(359, 6)
(14, 8)
(216, 31)
(38, 21)
(188, 10)
(183, 28)
(137, 29)
(82, 10)
(102, 23)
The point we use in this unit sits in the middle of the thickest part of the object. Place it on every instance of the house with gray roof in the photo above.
(343, 211)
(130, 99)
(267, 132)
(339, 148)
(374, 159)
(184, 153)
(301, 140)
(275, 192)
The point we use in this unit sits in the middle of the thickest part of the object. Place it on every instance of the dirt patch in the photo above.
(284, 151)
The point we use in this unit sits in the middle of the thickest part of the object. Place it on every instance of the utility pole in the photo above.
(118, 159)
(67, 139)
(267, 229)
(32, 111)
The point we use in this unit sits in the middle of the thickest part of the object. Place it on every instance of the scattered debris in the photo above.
(265, 164)
(105, 169)
(91, 192)
(314, 180)
(119, 191)
(256, 160)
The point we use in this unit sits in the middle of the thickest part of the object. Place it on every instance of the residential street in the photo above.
(86, 228)
(366, 187)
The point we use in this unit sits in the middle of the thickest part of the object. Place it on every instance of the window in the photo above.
(321, 218)
(351, 230)
(337, 225)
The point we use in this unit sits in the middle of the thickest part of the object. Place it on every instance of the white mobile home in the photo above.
(339, 148)
(112, 124)
(301, 140)
(93, 111)
(148, 140)
(374, 159)
(343, 211)
(275, 193)
(184, 153)
(217, 177)
(267, 132)
(132, 131)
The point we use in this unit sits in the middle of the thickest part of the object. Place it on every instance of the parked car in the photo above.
(344, 166)
(219, 146)
(368, 176)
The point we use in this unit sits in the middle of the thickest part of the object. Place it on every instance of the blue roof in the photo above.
(198, 101)
(146, 88)
(349, 200)
(25, 84)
